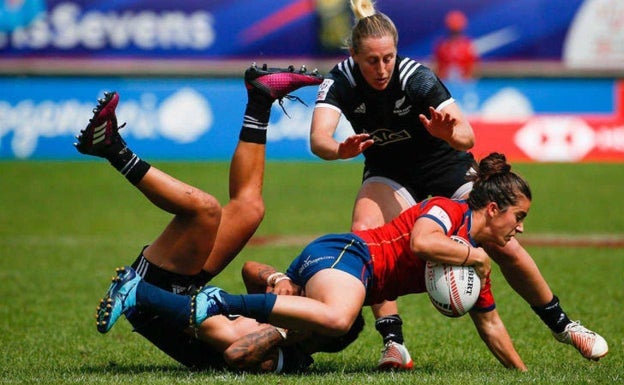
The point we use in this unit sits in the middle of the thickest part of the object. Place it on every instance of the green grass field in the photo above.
(65, 226)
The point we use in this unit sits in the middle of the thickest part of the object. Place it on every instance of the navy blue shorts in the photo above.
(345, 252)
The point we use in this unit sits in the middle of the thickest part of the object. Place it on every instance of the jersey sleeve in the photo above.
(425, 88)
(446, 212)
(328, 94)
(485, 302)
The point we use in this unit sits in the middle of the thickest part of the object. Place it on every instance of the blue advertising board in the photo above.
(199, 118)
(166, 118)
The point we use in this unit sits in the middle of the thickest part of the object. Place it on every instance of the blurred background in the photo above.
(546, 83)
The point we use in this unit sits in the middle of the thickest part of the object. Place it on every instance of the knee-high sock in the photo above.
(257, 306)
(173, 307)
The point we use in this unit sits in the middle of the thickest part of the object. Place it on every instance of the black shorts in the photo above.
(439, 178)
(188, 351)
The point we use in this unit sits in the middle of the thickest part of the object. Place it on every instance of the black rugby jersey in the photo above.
(403, 147)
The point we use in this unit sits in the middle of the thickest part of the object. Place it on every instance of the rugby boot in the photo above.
(590, 344)
(395, 356)
(120, 298)
(278, 83)
(102, 131)
(205, 304)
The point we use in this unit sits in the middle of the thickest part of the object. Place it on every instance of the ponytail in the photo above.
(369, 23)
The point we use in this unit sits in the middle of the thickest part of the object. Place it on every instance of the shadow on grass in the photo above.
(113, 368)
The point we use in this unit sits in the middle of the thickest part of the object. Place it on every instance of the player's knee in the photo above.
(208, 206)
(512, 254)
(337, 324)
(365, 222)
(360, 225)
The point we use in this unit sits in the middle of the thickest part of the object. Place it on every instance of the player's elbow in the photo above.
(467, 144)
(255, 210)
(323, 145)
(318, 149)
(420, 246)
(464, 139)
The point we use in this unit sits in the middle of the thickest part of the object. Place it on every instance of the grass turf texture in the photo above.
(65, 226)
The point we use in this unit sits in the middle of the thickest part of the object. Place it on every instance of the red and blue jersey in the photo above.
(396, 269)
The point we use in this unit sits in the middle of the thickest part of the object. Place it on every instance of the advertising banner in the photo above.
(583, 33)
(537, 120)
(552, 120)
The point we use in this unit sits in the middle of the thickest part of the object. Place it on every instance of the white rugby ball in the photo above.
(453, 290)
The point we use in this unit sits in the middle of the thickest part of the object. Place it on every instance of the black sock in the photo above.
(256, 119)
(127, 162)
(390, 328)
(552, 315)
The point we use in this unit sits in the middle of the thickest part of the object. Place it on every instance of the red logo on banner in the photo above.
(551, 138)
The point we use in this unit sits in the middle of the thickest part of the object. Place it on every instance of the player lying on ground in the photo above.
(268, 348)
(340, 273)
(203, 237)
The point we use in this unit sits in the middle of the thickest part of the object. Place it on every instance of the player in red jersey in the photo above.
(340, 273)
(415, 142)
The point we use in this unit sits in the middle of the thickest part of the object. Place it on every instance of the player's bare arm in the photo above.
(493, 332)
(324, 123)
(262, 278)
(255, 275)
(255, 351)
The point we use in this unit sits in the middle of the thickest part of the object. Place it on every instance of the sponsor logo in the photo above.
(67, 26)
(323, 89)
(361, 109)
(384, 136)
(399, 102)
(182, 117)
(556, 139)
(470, 281)
(176, 289)
(309, 262)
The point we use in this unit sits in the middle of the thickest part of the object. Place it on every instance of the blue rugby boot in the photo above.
(205, 304)
(120, 297)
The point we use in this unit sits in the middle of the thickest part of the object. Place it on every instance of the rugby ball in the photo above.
(453, 290)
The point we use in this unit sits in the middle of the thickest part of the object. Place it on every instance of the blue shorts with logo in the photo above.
(345, 252)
